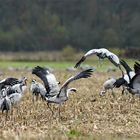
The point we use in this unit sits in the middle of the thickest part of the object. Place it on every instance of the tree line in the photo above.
(37, 25)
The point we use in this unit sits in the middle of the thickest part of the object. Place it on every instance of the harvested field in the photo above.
(85, 115)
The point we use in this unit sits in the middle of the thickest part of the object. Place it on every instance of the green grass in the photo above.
(23, 64)
(103, 66)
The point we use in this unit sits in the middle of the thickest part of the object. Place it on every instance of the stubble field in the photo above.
(85, 115)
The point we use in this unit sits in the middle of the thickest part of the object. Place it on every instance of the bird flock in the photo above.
(52, 91)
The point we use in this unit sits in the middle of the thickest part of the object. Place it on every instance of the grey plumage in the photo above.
(5, 104)
(126, 78)
(8, 82)
(108, 85)
(11, 82)
(13, 95)
(134, 85)
(59, 95)
(62, 94)
(19, 88)
(51, 83)
(129, 72)
(102, 53)
(15, 98)
(49, 80)
(37, 89)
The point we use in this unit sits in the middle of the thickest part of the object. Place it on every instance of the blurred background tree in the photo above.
(37, 25)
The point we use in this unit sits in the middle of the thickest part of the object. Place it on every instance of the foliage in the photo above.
(68, 53)
(73, 133)
(34, 25)
(132, 52)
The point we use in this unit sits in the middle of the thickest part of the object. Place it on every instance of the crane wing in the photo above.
(80, 61)
(42, 74)
(119, 82)
(126, 66)
(135, 82)
(137, 68)
(8, 82)
(84, 74)
(48, 79)
(90, 52)
(113, 58)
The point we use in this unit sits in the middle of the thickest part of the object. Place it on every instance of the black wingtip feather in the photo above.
(86, 73)
(41, 73)
(9, 81)
(137, 67)
(79, 62)
(83, 74)
(38, 69)
(137, 64)
(119, 82)
(125, 65)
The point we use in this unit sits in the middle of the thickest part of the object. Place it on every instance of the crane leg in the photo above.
(33, 99)
(113, 93)
(37, 96)
(59, 111)
(50, 108)
(123, 90)
(6, 115)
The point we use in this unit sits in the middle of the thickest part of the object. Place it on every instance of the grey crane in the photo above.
(15, 93)
(131, 79)
(15, 99)
(11, 89)
(5, 105)
(3, 93)
(102, 53)
(134, 85)
(21, 86)
(11, 82)
(37, 89)
(129, 72)
(8, 82)
(60, 95)
(108, 85)
(16, 88)
(49, 80)
(126, 78)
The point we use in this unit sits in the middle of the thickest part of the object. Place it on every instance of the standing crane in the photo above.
(59, 94)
